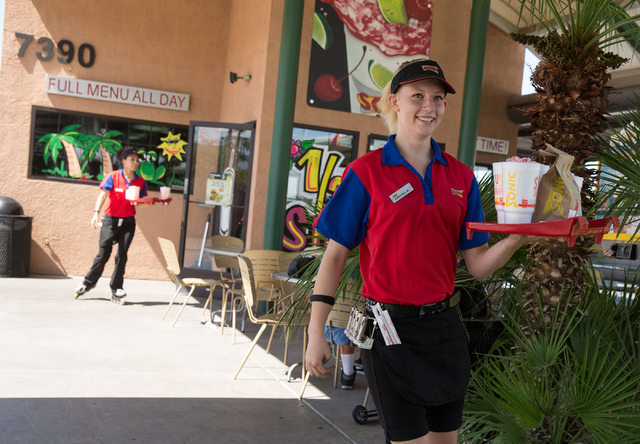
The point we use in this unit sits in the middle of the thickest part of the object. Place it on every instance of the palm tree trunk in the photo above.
(72, 157)
(107, 165)
(572, 96)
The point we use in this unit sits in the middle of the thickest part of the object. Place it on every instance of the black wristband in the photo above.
(322, 298)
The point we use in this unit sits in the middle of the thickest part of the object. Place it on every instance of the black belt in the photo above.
(414, 311)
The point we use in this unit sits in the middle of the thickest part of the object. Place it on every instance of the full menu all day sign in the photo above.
(132, 95)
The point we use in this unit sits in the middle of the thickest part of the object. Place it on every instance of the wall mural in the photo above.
(74, 152)
(318, 159)
(69, 140)
(358, 44)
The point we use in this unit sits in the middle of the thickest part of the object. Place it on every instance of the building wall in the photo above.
(502, 80)
(171, 45)
(190, 47)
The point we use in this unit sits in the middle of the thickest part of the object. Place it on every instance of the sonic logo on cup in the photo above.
(497, 180)
(511, 190)
(554, 201)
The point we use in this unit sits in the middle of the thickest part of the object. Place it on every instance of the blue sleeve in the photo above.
(107, 183)
(143, 189)
(344, 218)
(474, 214)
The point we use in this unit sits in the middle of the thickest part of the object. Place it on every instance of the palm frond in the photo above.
(585, 23)
(620, 193)
(560, 385)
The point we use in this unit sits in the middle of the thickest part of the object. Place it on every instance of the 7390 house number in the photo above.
(86, 52)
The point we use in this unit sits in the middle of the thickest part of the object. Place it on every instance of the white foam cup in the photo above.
(543, 170)
(165, 192)
(497, 190)
(520, 182)
(579, 181)
(132, 193)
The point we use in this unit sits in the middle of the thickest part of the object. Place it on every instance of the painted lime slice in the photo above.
(380, 75)
(393, 11)
(322, 33)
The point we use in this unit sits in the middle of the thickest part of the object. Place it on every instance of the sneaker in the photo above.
(119, 293)
(347, 381)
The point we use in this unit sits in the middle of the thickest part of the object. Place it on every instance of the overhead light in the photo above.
(233, 77)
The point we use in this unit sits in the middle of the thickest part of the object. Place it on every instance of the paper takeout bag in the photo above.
(558, 193)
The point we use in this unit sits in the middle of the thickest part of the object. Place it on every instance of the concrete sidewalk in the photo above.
(90, 371)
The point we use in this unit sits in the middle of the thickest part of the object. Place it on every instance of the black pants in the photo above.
(114, 230)
(419, 386)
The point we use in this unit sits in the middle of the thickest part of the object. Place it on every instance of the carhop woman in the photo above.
(406, 206)
(119, 223)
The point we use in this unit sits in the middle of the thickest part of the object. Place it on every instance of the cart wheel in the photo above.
(290, 371)
(360, 414)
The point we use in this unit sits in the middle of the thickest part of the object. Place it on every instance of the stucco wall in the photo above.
(171, 45)
(502, 80)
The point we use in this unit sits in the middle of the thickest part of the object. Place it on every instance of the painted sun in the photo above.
(172, 146)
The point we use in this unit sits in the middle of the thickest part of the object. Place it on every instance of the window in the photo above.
(530, 62)
(481, 171)
(318, 159)
(82, 147)
(375, 141)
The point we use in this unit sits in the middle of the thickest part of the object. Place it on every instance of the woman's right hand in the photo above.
(318, 354)
(318, 351)
(94, 219)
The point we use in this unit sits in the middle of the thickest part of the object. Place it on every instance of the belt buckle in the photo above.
(431, 309)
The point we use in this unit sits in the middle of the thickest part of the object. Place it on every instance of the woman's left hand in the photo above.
(523, 239)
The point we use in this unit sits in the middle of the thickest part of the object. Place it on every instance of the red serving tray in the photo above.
(150, 201)
(570, 228)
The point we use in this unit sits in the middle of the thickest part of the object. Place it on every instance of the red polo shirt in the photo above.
(409, 229)
(116, 184)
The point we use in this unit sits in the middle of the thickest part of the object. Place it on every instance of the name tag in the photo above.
(119, 190)
(395, 197)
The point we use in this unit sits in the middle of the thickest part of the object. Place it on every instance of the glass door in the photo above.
(216, 191)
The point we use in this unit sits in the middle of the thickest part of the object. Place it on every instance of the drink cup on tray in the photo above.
(132, 193)
(520, 181)
(165, 192)
(497, 191)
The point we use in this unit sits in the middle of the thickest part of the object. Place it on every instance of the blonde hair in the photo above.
(389, 115)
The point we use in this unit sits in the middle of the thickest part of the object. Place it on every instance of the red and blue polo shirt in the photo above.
(409, 229)
(116, 184)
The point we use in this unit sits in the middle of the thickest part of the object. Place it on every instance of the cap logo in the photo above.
(430, 68)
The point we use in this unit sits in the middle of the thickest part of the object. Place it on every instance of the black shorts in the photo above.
(419, 386)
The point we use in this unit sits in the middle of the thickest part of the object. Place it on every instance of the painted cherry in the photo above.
(418, 9)
(328, 88)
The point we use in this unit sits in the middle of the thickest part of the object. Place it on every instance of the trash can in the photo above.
(15, 239)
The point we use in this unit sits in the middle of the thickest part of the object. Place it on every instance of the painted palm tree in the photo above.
(68, 138)
(571, 82)
(107, 145)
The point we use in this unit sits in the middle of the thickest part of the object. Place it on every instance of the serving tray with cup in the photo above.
(150, 201)
(570, 228)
